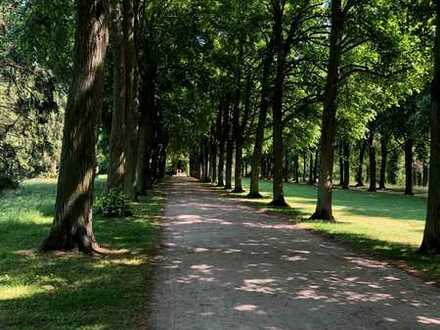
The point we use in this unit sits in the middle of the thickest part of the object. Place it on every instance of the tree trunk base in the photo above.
(228, 187)
(238, 190)
(430, 247)
(220, 185)
(323, 216)
(279, 202)
(254, 195)
(359, 185)
(83, 242)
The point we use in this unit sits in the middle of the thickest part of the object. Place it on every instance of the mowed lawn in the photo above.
(387, 224)
(70, 290)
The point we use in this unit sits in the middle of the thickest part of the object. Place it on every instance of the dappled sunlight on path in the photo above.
(225, 266)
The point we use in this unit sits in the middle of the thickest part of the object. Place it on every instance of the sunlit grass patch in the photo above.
(70, 290)
(387, 224)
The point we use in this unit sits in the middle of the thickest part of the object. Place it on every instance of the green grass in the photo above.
(70, 290)
(385, 224)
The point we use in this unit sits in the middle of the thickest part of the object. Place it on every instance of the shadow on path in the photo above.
(226, 265)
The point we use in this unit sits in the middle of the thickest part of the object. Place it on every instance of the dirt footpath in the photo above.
(224, 265)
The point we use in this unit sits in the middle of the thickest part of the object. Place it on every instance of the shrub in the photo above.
(112, 204)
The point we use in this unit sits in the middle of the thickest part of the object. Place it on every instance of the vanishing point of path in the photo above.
(224, 265)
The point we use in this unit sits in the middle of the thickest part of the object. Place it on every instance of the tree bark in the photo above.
(360, 170)
(72, 225)
(373, 164)
(311, 170)
(431, 238)
(409, 160)
(221, 157)
(346, 157)
(341, 164)
(324, 209)
(116, 169)
(229, 152)
(281, 49)
(263, 109)
(131, 138)
(383, 162)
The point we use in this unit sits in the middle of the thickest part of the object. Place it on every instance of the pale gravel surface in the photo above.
(225, 265)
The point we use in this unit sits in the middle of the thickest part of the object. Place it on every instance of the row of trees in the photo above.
(366, 76)
(240, 86)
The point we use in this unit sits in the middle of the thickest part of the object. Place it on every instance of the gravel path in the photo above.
(224, 265)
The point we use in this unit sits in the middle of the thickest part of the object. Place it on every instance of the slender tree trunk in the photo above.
(213, 156)
(346, 155)
(328, 132)
(360, 170)
(341, 164)
(304, 173)
(373, 164)
(409, 160)
(277, 109)
(131, 138)
(296, 168)
(116, 169)
(222, 139)
(383, 162)
(316, 167)
(311, 170)
(229, 151)
(259, 138)
(72, 225)
(431, 238)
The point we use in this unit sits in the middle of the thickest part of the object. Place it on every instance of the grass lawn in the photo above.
(70, 290)
(389, 225)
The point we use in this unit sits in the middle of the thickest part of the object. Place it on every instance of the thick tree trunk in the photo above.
(409, 160)
(383, 162)
(147, 106)
(360, 170)
(346, 156)
(431, 238)
(328, 132)
(72, 226)
(373, 163)
(259, 138)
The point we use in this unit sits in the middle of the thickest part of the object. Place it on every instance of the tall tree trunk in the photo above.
(116, 169)
(311, 170)
(72, 225)
(131, 137)
(373, 165)
(316, 167)
(304, 173)
(341, 164)
(409, 160)
(263, 109)
(296, 168)
(431, 238)
(222, 140)
(328, 132)
(360, 170)
(277, 109)
(383, 162)
(147, 106)
(229, 152)
(213, 156)
(346, 155)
